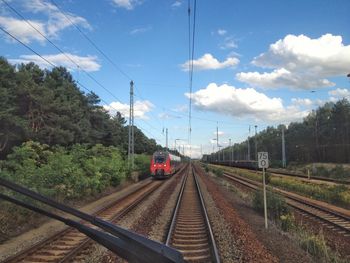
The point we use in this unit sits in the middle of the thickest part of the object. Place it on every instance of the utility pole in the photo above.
(131, 144)
(166, 138)
(217, 134)
(248, 145)
(256, 143)
(231, 150)
(283, 149)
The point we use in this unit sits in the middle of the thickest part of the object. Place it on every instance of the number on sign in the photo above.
(263, 159)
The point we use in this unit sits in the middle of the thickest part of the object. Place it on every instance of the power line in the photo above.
(79, 83)
(92, 42)
(60, 50)
(25, 45)
(191, 45)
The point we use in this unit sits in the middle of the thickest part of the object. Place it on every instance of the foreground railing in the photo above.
(124, 243)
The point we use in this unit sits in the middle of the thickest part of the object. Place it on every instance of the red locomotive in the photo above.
(164, 164)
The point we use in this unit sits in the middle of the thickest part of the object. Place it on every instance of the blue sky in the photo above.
(255, 62)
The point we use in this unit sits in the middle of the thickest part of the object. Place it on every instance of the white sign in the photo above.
(263, 159)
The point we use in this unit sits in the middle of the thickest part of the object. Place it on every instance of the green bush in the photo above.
(338, 172)
(287, 222)
(218, 171)
(314, 244)
(276, 205)
(142, 165)
(59, 173)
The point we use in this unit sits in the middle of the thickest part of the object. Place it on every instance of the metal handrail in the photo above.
(129, 245)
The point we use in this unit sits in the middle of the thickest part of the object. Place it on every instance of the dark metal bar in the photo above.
(151, 250)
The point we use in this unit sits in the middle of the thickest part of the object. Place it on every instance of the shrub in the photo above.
(276, 205)
(142, 164)
(339, 172)
(287, 222)
(218, 171)
(314, 244)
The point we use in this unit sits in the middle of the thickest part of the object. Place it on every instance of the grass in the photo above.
(334, 194)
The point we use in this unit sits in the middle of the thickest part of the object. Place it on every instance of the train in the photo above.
(248, 164)
(164, 164)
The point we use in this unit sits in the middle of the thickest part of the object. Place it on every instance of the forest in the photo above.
(46, 106)
(322, 136)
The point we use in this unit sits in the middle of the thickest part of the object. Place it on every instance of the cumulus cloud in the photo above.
(221, 32)
(300, 62)
(56, 22)
(88, 63)
(176, 4)
(126, 4)
(283, 78)
(168, 116)
(228, 43)
(218, 133)
(304, 102)
(238, 102)
(140, 30)
(208, 62)
(338, 93)
(22, 30)
(140, 108)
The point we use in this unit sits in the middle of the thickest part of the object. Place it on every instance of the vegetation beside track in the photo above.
(67, 175)
(322, 136)
(334, 194)
(279, 212)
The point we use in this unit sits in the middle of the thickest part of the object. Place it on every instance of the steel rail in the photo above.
(329, 216)
(75, 252)
(212, 239)
(57, 236)
(291, 174)
(195, 243)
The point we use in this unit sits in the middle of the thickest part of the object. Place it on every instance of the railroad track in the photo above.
(190, 231)
(330, 218)
(304, 177)
(69, 244)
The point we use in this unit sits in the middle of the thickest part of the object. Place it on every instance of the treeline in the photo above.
(47, 106)
(323, 136)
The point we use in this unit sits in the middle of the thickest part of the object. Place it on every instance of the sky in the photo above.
(255, 63)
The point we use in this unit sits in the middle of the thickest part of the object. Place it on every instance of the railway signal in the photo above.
(263, 162)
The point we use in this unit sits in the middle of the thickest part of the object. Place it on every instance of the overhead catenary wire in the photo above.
(60, 50)
(191, 43)
(68, 57)
(53, 65)
(92, 42)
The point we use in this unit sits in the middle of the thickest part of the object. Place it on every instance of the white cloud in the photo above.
(218, 133)
(140, 108)
(302, 102)
(127, 4)
(339, 93)
(208, 62)
(300, 62)
(176, 4)
(229, 43)
(283, 78)
(180, 108)
(140, 30)
(248, 102)
(22, 30)
(221, 32)
(56, 22)
(88, 63)
(167, 116)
